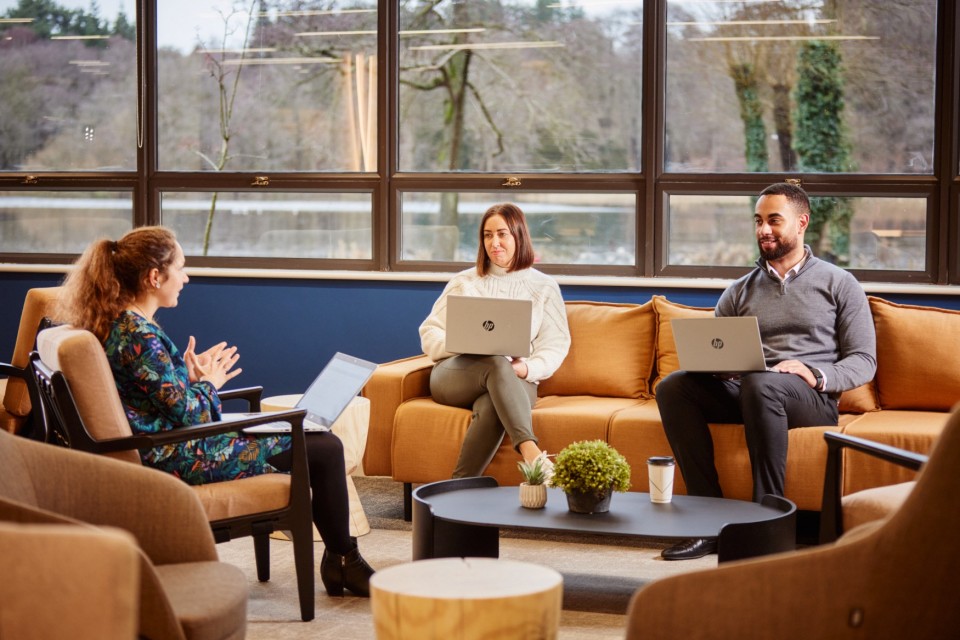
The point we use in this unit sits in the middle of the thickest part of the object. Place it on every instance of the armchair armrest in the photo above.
(392, 384)
(831, 509)
(252, 395)
(34, 427)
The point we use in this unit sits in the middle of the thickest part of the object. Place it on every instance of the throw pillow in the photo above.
(667, 359)
(611, 351)
(918, 366)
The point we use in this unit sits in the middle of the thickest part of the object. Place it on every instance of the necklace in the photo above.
(142, 312)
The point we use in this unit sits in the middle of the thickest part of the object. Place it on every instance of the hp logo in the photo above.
(717, 343)
(488, 325)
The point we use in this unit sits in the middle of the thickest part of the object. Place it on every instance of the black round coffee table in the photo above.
(460, 518)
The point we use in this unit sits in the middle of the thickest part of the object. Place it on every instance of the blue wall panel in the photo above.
(286, 329)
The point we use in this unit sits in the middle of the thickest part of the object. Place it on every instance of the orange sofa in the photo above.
(606, 390)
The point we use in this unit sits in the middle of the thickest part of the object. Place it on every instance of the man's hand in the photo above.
(798, 368)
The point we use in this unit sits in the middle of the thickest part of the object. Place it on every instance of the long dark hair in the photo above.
(109, 275)
(517, 225)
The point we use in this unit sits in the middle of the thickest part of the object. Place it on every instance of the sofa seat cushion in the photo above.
(242, 497)
(557, 422)
(637, 433)
(611, 351)
(873, 504)
(911, 430)
(209, 599)
(916, 366)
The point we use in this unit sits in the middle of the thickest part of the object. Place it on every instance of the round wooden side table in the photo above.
(466, 599)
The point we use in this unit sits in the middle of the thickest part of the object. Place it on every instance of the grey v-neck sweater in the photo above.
(820, 317)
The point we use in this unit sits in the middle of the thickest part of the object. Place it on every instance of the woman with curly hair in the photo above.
(114, 291)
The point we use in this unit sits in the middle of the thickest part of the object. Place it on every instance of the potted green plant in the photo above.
(533, 489)
(589, 472)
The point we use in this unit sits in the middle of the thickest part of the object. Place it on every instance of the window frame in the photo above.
(651, 185)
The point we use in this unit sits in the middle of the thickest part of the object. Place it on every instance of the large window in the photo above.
(68, 87)
(372, 134)
(267, 86)
(886, 233)
(566, 228)
(832, 87)
(520, 86)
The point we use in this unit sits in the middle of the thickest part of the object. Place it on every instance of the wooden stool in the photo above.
(466, 599)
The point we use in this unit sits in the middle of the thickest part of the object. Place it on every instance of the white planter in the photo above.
(533, 496)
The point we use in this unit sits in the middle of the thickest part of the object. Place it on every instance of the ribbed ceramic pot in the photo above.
(580, 502)
(533, 496)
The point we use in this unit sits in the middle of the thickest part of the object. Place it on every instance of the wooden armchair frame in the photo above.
(63, 418)
(831, 514)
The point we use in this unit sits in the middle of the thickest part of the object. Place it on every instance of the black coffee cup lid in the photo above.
(660, 461)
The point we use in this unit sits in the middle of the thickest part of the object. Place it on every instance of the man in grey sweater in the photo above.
(818, 341)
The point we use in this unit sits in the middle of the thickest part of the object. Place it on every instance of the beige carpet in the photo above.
(599, 576)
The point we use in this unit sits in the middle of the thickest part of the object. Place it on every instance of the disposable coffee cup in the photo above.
(660, 469)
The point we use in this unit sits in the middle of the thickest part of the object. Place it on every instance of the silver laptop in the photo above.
(488, 326)
(327, 396)
(719, 345)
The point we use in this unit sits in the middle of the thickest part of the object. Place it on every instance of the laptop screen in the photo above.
(332, 390)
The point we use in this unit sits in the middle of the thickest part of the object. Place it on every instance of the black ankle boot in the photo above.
(350, 571)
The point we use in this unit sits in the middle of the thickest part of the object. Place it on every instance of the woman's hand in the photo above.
(203, 360)
(215, 365)
(520, 368)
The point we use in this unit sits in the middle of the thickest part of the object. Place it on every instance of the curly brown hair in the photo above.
(109, 275)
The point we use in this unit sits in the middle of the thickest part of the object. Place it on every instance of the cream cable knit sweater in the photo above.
(549, 334)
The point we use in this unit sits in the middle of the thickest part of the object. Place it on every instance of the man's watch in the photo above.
(819, 377)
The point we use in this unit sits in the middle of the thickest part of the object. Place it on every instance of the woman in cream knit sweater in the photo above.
(500, 390)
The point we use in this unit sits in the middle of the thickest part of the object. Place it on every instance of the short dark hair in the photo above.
(517, 225)
(794, 194)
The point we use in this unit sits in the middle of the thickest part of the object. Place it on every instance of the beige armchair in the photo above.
(185, 593)
(91, 578)
(81, 404)
(18, 390)
(892, 578)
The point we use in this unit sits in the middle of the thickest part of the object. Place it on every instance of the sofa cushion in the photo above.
(911, 430)
(667, 359)
(917, 366)
(860, 400)
(874, 504)
(611, 351)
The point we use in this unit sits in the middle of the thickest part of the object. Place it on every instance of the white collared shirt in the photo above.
(792, 272)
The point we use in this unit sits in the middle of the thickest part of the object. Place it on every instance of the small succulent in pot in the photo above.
(533, 490)
(533, 472)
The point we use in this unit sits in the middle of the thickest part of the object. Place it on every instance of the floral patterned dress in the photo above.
(154, 386)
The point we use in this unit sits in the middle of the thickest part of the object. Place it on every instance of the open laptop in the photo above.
(719, 345)
(488, 326)
(327, 396)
